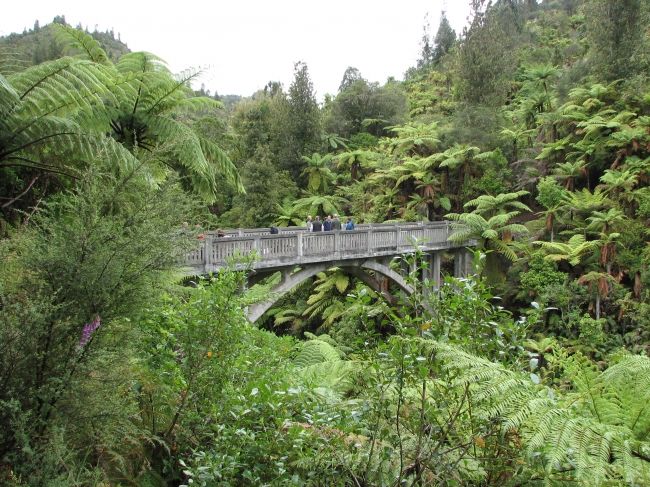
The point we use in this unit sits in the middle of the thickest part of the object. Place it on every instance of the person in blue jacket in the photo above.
(327, 223)
(349, 225)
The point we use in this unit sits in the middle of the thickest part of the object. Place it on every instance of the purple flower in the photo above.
(89, 329)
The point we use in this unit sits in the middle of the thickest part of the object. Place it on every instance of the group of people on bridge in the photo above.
(328, 223)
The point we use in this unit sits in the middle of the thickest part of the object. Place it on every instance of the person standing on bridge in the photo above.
(309, 224)
(336, 223)
(317, 225)
(350, 224)
(327, 223)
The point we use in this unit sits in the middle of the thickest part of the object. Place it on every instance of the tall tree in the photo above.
(616, 33)
(444, 40)
(487, 55)
(350, 75)
(427, 50)
(266, 188)
(304, 121)
(366, 107)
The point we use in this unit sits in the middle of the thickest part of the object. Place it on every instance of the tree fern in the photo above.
(488, 204)
(494, 233)
(40, 108)
(316, 352)
(337, 376)
(597, 431)
(322, 369)
(142, 115)
(571, 251)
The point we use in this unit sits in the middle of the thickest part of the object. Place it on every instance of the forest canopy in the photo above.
(529, 131)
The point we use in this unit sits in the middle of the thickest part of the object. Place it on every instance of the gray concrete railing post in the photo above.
(369, 242)
(337, 244)
(208, 247)
(299, 244)
(257, 246)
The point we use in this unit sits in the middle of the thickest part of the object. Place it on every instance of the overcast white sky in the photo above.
(246, 43)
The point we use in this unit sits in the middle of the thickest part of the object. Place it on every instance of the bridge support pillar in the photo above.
(431, 272)
(463, 265)
(436, 258)
(468, 263)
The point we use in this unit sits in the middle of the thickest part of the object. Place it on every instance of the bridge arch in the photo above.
(357, 268)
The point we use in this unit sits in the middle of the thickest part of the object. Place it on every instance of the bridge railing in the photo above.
(251, 232)
(301, 245)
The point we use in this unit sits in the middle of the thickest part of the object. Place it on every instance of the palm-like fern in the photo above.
(314, 204)
(319, 175)
(490, 205)
(286, 216)
(619, 183)
(491, 222)
(321, 367)
(597, 432)
(325, 299)
(490, 231)
(414, 138)
(143, 115)
(598, 282)
(355, 160)
(572, 251)
(40, 110)
(584, 203)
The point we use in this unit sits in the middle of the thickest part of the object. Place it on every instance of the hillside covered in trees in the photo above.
(530, 130)
(38, 44)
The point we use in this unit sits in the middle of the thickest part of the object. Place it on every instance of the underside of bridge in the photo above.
(374, 272)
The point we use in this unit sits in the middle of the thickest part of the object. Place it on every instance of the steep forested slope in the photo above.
(41, 44)
(530, 129)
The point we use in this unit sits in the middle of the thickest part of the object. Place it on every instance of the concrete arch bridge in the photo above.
(297, 254)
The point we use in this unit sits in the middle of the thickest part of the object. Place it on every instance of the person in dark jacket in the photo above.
(327, 223)
(317, 226)
(336, 223)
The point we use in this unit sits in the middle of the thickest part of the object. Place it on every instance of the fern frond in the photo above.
(589, 431)
(78, 39)
(141, 62)
(197, 103)
(338, 376)
(9, 98)
(65, 85)
(316, 352)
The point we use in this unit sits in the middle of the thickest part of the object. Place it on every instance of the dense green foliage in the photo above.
(530, 131)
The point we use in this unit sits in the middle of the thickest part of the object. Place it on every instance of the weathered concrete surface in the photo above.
(300, 255)
(301, 248)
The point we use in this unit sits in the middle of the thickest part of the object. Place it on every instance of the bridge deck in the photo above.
(296, 246)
